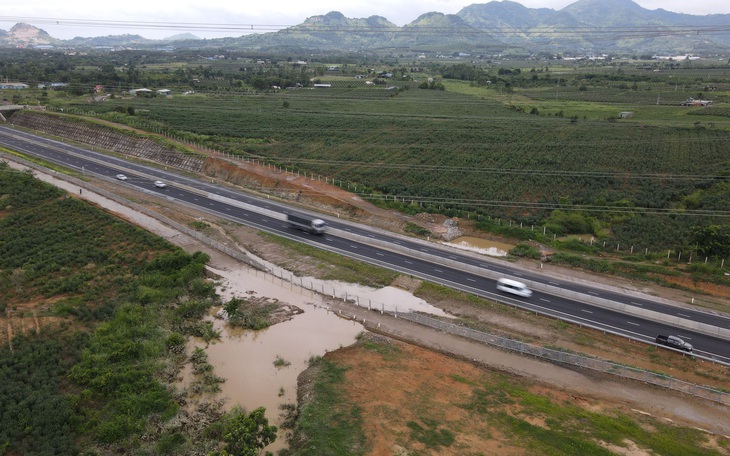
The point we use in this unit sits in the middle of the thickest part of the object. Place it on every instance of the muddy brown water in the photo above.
(246, 359)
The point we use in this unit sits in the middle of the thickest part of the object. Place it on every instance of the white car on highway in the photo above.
(514, 287)
(160, 184)
(121, 177)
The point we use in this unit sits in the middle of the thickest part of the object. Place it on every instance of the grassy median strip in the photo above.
(335, 266)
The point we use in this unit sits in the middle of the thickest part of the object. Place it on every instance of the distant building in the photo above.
(675, 57)
(142, 91)
(13, 85)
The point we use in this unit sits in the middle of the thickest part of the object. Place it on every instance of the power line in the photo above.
(562, 31)
(478, 203)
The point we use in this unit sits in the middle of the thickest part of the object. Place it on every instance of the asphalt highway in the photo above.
(471, 273)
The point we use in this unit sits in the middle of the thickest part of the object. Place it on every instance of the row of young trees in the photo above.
(424, 128)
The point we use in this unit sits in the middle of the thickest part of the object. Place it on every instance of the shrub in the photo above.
(576, 245)
(570, 223)
(417, 229)
(525, 250)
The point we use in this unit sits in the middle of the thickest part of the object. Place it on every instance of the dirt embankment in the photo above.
(399, 384)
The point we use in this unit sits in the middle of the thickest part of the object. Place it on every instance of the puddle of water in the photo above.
(484, 246)
(246, 358)
(390, 299)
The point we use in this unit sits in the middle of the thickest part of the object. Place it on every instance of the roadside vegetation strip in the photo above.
(328, 423)
(38, 162)
(333, 266)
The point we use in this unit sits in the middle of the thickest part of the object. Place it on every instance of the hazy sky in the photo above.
(208, 19)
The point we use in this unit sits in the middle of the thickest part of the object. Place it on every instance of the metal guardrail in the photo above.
(678, 322)
(548, 354)
(596, 364)
(444, 260)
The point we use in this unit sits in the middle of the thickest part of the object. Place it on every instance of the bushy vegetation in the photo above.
(102, 384)
(525, 250)
(248, 315)
(35, 416)
(118, 369)
(246, 434)
(416, 229)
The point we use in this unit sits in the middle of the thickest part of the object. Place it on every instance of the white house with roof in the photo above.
(13, 85)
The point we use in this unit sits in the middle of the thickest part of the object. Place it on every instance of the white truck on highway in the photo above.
(305, 223)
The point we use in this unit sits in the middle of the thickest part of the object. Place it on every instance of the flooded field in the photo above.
(246, 359)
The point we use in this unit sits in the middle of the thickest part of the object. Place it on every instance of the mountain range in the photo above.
(586, 26)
